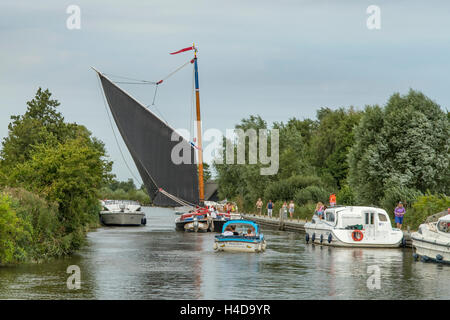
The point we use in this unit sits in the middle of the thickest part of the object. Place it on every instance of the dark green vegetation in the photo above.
(125, 190)
(50, 174)
(378, 156)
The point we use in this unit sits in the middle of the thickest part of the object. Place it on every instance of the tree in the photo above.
(405, 144)
(70, 175)
(332, 141)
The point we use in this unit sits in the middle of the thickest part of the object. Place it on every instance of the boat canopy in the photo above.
(445, 218)
(241, 222)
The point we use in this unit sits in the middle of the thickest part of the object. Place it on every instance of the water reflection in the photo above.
(156, 262)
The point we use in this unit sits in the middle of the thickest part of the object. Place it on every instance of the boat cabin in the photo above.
(353, 217)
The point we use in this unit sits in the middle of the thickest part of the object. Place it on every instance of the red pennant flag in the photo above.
(183, 50)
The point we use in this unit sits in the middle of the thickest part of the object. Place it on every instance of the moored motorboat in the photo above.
(196, 221)
(245, 237)
(122, 213)
(354, 226)
(432, 241)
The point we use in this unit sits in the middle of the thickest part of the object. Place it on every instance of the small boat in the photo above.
(432, 241)
(241, 240)
(196, 221)
(353, 226)
(122, 213)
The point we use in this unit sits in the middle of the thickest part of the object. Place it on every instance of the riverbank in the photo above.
(296, 225)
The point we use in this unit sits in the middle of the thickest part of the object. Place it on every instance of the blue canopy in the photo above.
(245, 222)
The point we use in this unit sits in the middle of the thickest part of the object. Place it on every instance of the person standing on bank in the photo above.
(269, 208)
(399, 213)
(259, 205)
(291, 209)
(284, 210)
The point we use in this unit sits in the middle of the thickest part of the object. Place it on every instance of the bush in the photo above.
(395, 194)
(14, 233)
(40, 221)
(345, 196)
(311, 194)
(424, 207)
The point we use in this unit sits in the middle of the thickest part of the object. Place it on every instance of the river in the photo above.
(157, 262)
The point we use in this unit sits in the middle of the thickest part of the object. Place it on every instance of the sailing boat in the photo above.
(150, 143)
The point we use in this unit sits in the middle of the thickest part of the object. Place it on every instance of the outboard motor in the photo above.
(195, 224)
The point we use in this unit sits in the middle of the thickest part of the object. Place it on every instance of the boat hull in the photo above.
(238, 246)
(122, 218)
(430, 250)
(342, 238)
(203, 225)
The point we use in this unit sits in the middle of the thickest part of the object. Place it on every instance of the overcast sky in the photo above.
(278, 59)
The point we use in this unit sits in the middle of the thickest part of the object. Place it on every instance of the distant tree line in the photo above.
(376, 156)
(125, 190)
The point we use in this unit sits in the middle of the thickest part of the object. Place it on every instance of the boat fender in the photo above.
(144, 221)
(216, 246)
(415, 256)
(321, 238)
(313, 238)
(424, 259)
(307, 238)
(330, 238)
(439, 257)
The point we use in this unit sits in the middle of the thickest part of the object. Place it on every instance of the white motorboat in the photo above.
(122, 213)
(241, 240)
(432, 241)
(353, 226)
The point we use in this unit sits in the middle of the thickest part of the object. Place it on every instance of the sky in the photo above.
(277, 59)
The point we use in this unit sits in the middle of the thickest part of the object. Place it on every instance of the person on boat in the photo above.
(399, 212)
(269, 208)
(259, 205)
(291, 208)
(233, 229)
(332, 200)
(213, 212)
(319, 209)
(228, 231)
(250, 232)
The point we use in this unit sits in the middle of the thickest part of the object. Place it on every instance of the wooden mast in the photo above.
(201, 187)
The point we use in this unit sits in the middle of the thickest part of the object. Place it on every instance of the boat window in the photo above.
(444, 226)
(330, 216)
(382, 217)
(369, 217)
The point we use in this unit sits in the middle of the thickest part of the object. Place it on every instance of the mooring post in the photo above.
(281, 213)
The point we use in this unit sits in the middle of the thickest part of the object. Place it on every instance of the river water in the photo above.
(157, 262)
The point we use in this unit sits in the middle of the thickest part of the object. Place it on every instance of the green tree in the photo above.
(405, 144)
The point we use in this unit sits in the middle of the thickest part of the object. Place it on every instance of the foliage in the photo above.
(405, 144)
(13, 233)
(61, 164)
(424, 207)
(377, 156)
(121, 190)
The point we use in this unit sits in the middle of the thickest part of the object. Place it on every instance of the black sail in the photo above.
(149, 141)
